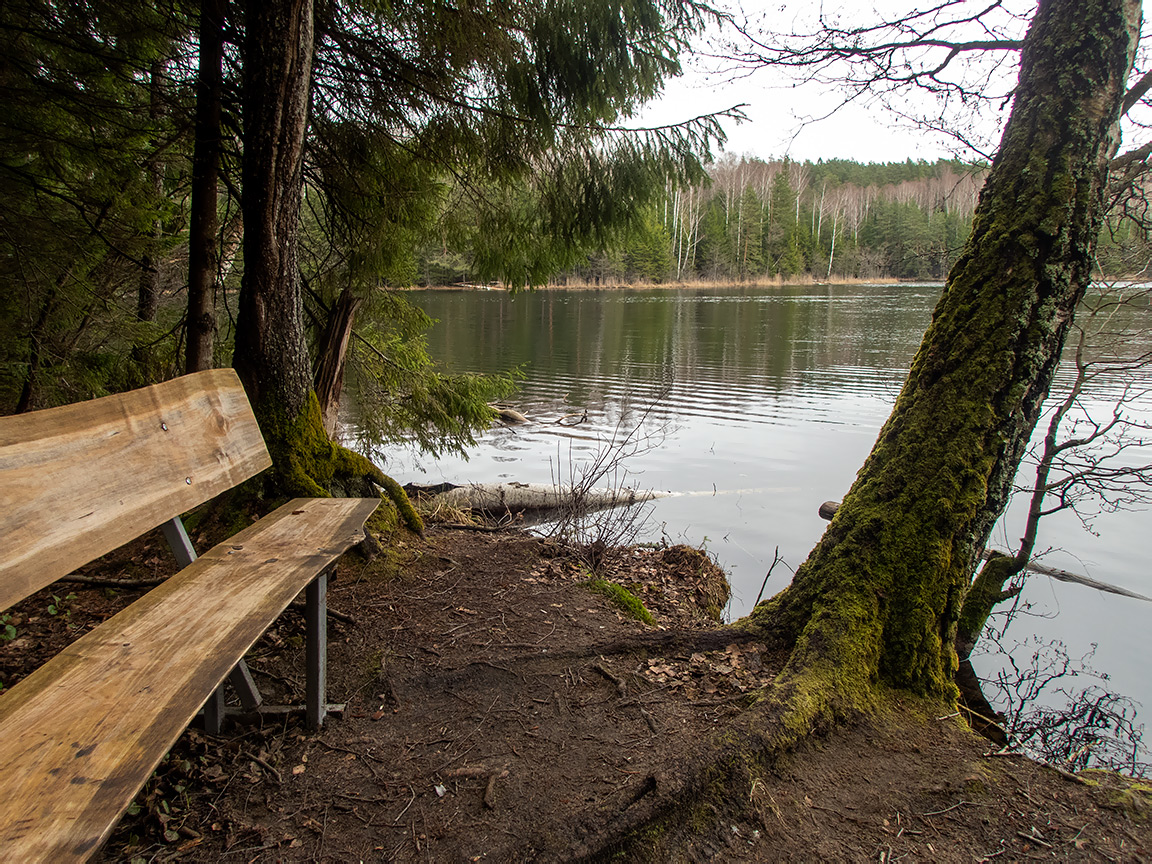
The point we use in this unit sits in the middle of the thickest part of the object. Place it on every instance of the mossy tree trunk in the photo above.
(879, 596)
(271, 354)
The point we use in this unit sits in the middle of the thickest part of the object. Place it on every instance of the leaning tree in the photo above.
(880, 595)
(876, 604)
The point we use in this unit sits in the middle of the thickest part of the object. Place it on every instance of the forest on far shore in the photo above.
(753, 220)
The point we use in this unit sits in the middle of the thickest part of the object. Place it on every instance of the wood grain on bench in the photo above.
(84, 732)
(83, 479)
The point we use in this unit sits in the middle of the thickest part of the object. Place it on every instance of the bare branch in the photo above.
(1136, 93)
(964, 59)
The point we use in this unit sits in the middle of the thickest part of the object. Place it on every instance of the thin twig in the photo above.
(959, 803)
(775, 560)
(247, 754)
(1033, 839)
(409, 804)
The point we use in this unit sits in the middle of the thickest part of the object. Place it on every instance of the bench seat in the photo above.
(84, 732)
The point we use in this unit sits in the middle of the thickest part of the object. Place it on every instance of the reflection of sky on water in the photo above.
(772, 397)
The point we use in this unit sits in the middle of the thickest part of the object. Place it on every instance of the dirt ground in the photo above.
(497, 709)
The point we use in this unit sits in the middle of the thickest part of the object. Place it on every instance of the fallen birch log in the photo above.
(524, 497)
(828, 509)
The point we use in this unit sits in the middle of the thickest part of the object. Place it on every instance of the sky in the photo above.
(775, 127)
(777, 108)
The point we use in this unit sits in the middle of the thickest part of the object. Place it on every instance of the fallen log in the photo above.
(509, 416)
(1065, 576)
(526, 497)
(828, 509)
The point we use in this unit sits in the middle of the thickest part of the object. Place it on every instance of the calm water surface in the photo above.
(768, 400)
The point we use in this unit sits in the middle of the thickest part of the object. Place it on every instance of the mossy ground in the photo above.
(622, 599)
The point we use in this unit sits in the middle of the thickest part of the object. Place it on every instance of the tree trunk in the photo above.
(880, 595)
(28, 392)
(148, 289)
(205, 182)
(271, 354)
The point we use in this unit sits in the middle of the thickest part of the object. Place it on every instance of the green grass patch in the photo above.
(622, 598)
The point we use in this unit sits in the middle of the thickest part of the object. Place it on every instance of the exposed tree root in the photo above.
(687, 800)
(658, 644)
(394, 492)
(308, 463)
(696, 800)
(830, 679)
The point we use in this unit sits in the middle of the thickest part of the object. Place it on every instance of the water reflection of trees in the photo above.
(770, 338)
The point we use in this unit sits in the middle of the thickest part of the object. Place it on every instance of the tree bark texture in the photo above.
(880, 594)
(205, 183)
(271, 354)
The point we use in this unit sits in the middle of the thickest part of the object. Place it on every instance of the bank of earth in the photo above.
(498, 709)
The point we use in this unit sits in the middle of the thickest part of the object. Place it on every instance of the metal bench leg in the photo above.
(185, 554)
(241, 680)
(316, 628)
(214, 712)
(178, 541)
(215, 708)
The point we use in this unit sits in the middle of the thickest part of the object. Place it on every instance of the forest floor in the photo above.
(498, 709)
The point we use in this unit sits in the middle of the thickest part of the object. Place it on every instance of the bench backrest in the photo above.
(78, 481)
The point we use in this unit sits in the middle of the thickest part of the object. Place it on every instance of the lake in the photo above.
(763, 402)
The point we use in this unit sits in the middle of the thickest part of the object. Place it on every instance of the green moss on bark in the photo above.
(308, 464)
(883, 589)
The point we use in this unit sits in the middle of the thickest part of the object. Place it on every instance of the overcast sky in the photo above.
(777, 109)
(775, 127)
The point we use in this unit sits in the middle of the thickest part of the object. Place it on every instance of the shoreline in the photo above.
(712, 285)
(694, 285)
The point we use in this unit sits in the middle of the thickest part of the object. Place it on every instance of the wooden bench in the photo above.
(81, 734)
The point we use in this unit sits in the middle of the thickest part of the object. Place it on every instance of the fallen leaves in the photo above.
(736, 669)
